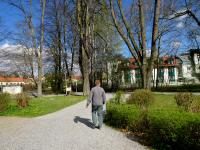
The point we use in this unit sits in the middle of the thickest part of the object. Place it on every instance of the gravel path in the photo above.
(67, 129)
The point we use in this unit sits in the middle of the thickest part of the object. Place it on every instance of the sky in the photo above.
(11, 16)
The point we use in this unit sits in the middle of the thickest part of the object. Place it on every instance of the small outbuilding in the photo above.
(12, 85)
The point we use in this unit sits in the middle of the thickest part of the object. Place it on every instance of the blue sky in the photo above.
(10, 17)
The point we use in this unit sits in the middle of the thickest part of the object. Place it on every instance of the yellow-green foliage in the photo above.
(184, 100)
(141, 98)
(22, 100)
(118, 97)
(4, 101)
(163, 125)
(195, 105)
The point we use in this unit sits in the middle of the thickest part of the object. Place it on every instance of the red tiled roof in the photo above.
(77, 77)
(165, 63)
(12, 79)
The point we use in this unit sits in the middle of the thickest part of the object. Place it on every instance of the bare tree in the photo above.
(28, 17)
(137, 51)
(187, 11)
(83, 25)
(39, 53)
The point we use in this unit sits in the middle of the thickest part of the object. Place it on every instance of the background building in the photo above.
(12, 85)
(170, 70)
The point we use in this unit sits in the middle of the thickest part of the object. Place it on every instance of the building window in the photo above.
(171, 71)
(198, 58)
(170, 61)
(137, 73)
(161, 62)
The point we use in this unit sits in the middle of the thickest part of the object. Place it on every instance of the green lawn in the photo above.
(41, 106)
(163, 101)
(164, 125)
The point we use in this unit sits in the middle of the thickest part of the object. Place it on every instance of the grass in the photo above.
(163, 126)
(41, 106)
(163, 101)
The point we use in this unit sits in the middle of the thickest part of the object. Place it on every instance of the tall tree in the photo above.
(39, 53)
(138, 51)
(27, 12)
(83, 26)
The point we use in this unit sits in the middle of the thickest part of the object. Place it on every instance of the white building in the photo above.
(191, 66)
(11, 85)
(195, 54)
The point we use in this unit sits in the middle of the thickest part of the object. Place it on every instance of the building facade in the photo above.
(170, 70)
(167, 71)
(191, 66)
(12, 85)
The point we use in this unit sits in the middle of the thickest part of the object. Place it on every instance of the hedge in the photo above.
(164, 129)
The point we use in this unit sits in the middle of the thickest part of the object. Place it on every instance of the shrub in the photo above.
(121, 115)
(141, 98)
(141, 124)
(118, 98)
(184, 100)
(195, 105)
(190, 136)
(164, 129)
(179, 88)
(174, 130)
(4, 101)
(22, 99)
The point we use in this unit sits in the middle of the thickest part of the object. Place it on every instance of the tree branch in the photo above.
(126, 40)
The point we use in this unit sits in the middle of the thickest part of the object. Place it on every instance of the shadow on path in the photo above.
(84, 121)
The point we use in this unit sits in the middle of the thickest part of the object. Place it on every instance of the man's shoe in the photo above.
(98, 127)
(93, 126)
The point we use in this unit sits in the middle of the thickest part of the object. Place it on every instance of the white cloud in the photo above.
(181, 17)
(198, 38)
(176, 44)
(11, 58)
(180, 25)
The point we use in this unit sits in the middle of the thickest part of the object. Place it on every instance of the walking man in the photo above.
(97, 98)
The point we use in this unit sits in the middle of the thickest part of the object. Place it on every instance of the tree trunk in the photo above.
(143, 48)
(158, 68)
(40, 72)
(154, 51)
(83, 23)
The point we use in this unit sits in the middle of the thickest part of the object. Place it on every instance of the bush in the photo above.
(4, 101)
(184, 100)
(141, 124)
(118, 98)
(195, 105)
(121, 115)
(174, 130)
(141, 98)
(22, 100)
(178, 88)
(164, 129)
(190, 139)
